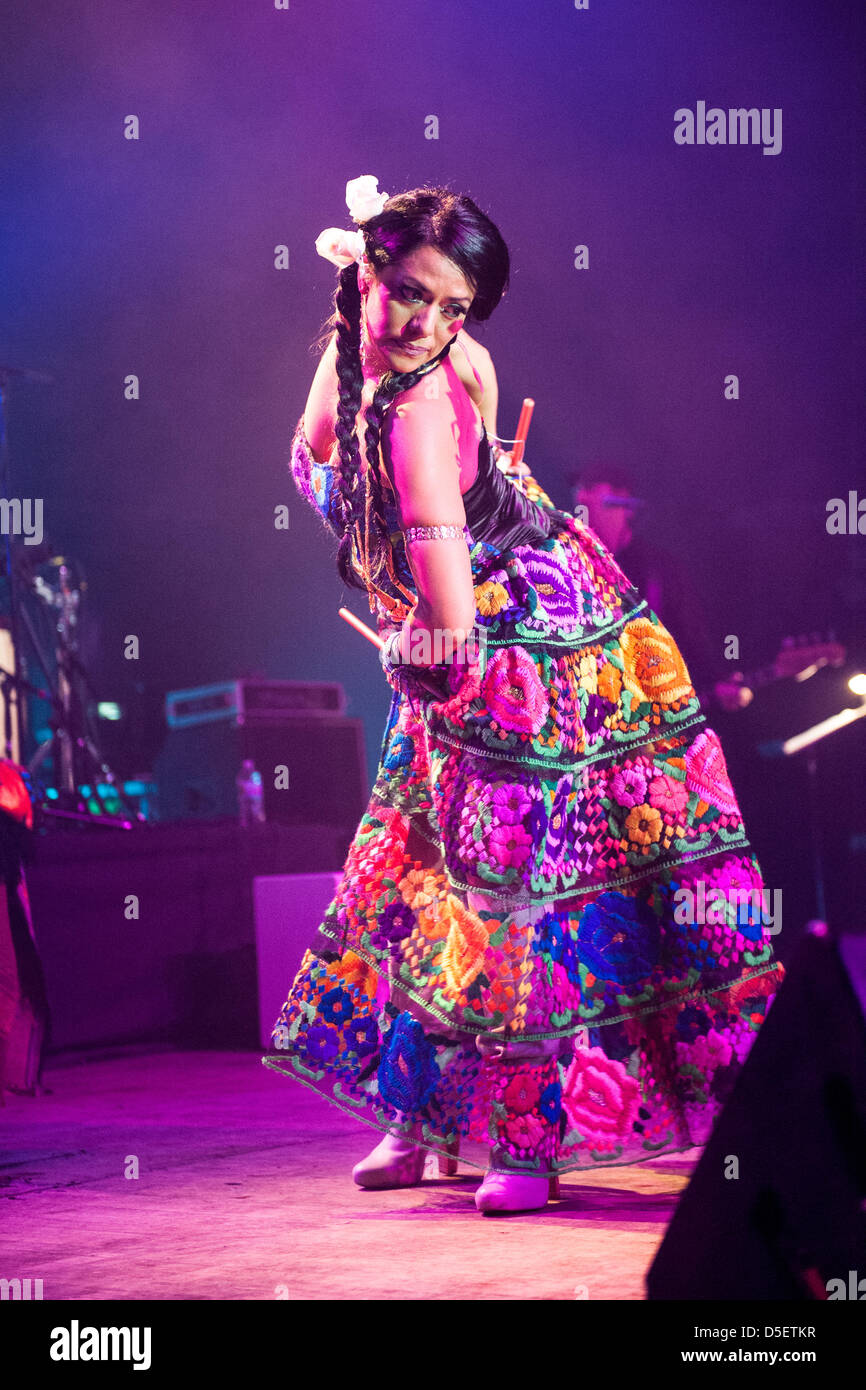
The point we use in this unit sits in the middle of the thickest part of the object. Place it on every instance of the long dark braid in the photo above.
(351, 378)
(351, 383)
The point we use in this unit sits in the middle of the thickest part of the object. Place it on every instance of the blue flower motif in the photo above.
(408, 1074)
(568, 957)
(400, 752)
(323, 1043)
(558, 942)
(550, 1102)
(550, 935)
(336, 1006)
(750, 919)
(619, 938)
(362, 1035)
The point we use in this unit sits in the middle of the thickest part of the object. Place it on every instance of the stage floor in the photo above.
(244, 1191)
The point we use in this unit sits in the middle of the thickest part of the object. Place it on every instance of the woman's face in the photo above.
(414, 307)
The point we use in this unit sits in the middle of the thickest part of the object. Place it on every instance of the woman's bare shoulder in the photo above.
(433, 422)
(440, 395)
(475, 349)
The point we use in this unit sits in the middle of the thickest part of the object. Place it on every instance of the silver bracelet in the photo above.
(435, 533)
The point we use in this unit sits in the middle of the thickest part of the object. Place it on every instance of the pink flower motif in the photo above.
(667, 794)
(514, 692)
(459, 706)
(707, 1052)
(733, 876)
(508, 845)
(420, 757)
(511, 803)
(565, 992)
(599, 1097)
(629, 786)
(524, 1131)
(707, 773)
(521, 1093)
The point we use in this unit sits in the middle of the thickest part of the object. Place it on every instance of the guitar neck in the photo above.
(795, 660)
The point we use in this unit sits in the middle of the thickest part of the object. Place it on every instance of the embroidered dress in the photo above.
(546, 941)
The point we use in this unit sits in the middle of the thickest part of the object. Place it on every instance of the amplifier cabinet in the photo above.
(325, 777)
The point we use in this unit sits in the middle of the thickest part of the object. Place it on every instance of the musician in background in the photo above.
(767, 788)
(606, 490)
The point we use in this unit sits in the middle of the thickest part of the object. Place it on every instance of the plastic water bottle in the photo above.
(251, 795)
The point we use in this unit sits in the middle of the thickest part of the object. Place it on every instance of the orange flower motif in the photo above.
(587, 673)
(654, 669)
(465, 946)
(609, 682)
(421, 887)
(490, 598)
(352, 970)
(644, 825)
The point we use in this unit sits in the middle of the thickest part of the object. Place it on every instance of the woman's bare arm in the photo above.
(422, 440)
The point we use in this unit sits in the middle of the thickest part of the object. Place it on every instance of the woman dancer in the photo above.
(546, 947)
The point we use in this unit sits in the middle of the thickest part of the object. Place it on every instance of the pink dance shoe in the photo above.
(399, 1162)
(514, 1192)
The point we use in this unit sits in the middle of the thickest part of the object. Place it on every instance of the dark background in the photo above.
(155, 257)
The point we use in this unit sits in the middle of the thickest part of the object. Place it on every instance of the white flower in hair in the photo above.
(362, 198)
(339, 246)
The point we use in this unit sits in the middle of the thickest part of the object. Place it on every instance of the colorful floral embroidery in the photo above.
(600, 1099)
(707, 773)
(519, 877)
(516, 697)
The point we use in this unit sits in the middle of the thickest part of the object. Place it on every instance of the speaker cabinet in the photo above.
(324, 758)
(776, 1208)
(289, 909)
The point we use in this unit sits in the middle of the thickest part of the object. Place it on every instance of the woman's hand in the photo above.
(505, 461)
(416, 682)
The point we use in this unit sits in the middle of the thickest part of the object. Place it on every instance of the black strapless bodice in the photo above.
(498, 512)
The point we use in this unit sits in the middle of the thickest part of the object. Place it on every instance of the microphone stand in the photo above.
(72, 745)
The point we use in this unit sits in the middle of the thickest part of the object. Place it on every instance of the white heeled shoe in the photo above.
(515, 1192)
(397, 1161)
